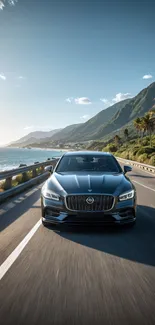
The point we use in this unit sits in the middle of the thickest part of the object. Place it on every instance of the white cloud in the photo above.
(69, 99)
(82, 101)
(12, 2)
(85, 117)
(2, 76)
(28, 127)
(1, 5)
(79, 100)
(104, 100)
(147, 76)
(119, 97)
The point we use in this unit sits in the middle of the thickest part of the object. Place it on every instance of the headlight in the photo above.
(48, 194)
(127, 195)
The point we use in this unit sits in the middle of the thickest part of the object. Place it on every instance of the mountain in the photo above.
(65, 134)
(86, 131)
(33, 137)
(105, 124)
(114, 118)
(136, 107)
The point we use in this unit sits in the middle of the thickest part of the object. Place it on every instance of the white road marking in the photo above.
(149, 188)
(17, 251)
(10, 206)
(18, 199)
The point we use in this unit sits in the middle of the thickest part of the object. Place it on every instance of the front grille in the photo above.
(79, 203)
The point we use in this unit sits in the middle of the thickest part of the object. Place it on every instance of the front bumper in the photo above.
(56, 213)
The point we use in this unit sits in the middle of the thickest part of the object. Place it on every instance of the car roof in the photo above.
(87, 153)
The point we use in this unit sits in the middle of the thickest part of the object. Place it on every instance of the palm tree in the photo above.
(149, 124)
(138, 125)
(126, 134)
(143, 126)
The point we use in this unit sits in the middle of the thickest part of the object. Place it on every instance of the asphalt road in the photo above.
(84, 276)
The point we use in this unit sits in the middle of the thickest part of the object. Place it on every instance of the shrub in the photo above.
(110, 148)
(145, 142)
(132, 141)
(152, 160)
(2, 186)
(146, 150)
(143, 158)
(135, 150)
(124, 154)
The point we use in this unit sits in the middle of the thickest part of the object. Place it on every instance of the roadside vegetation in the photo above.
(141, 148)
(21, 178)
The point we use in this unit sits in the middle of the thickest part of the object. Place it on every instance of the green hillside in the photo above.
(87, 131)
(137, 107)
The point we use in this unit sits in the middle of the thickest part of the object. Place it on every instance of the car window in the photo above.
(99, 163)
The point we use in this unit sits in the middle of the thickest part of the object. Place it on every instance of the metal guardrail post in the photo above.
(34, 173)
(24, 177)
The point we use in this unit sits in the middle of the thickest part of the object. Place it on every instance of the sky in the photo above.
(61, 61)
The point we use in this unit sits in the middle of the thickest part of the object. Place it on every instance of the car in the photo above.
(88, 188)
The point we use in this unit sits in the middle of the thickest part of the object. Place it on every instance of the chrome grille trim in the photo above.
(104, 203)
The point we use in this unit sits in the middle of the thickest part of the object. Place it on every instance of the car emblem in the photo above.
(90, 200)
(90, 190)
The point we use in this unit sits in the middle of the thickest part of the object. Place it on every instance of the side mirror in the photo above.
(127, 169)
(49, 169)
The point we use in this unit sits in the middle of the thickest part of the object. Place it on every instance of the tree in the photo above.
(137, 124)
(149, 124)
(117, 140)
(126, 134)
(143, 126)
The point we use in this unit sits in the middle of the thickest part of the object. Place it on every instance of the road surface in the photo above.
(69, 276)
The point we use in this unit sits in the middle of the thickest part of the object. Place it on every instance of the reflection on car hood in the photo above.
(92, 183)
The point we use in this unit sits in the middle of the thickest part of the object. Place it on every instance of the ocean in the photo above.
(13, 157)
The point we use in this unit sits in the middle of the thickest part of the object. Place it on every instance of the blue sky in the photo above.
(62, 62)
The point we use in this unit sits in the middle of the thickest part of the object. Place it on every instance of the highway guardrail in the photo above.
(8, 176)
(137, 164)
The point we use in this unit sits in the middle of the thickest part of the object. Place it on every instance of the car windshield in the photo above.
(88, 163)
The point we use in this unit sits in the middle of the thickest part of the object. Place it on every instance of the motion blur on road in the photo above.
(78, 276)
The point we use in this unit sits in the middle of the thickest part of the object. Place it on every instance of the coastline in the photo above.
(12, 157)
(41, 148)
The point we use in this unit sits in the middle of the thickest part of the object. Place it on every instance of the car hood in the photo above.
(93, 183)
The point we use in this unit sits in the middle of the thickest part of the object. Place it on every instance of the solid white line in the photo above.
(149, 188)
(17, 251)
